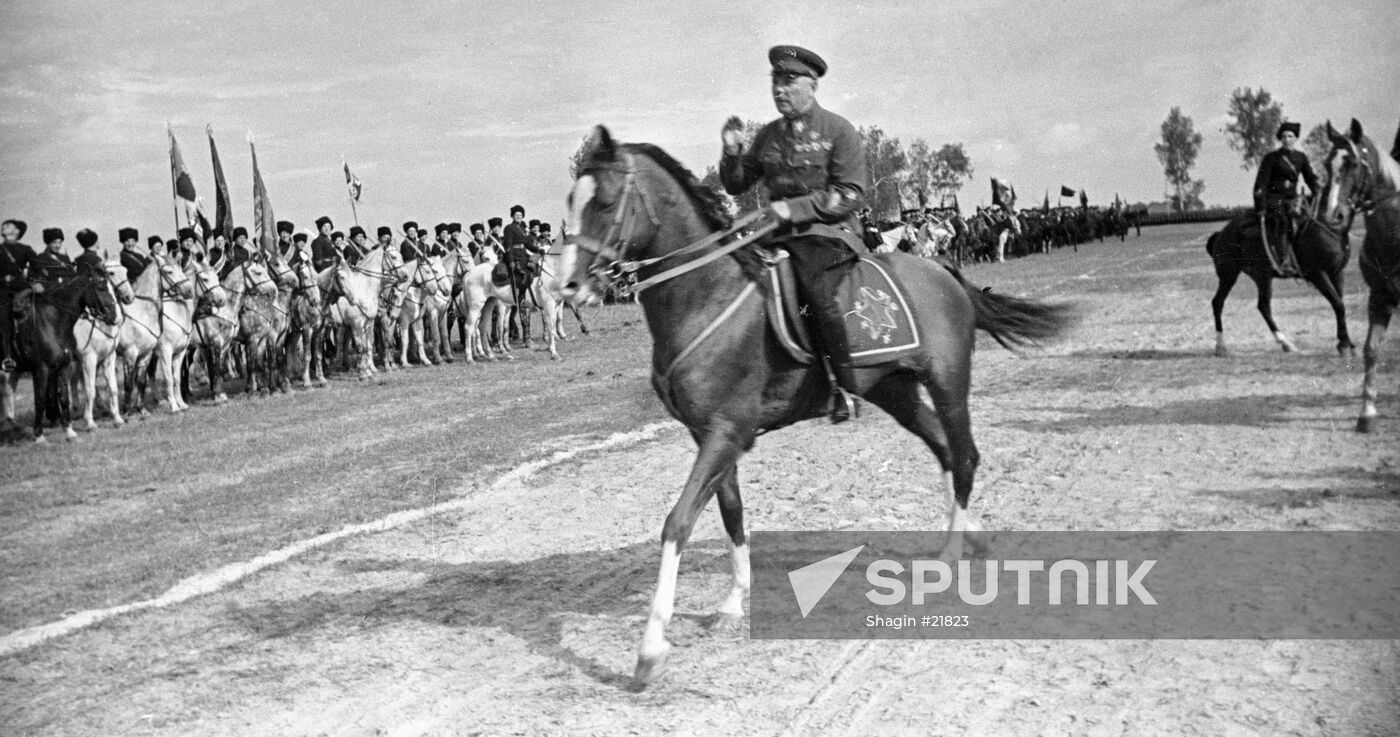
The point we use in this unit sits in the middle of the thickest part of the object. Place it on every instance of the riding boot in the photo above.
(831, 325)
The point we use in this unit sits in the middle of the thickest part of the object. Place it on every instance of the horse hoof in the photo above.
(1222, 352)
(40, 440)
(1346, 350)
(118, 421)
(70, 434)
(726, 623)
(90, 426)
(221, 398)
(322, 383)
(650, 667)
(1365, 424)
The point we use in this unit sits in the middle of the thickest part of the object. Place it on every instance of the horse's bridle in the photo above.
(1361, 197)
(609, 265)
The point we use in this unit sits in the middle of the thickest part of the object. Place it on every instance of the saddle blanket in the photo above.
(879, 324)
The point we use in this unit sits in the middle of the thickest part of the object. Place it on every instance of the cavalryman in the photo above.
(132, 256)
(238, 253)
(51, 266)
(386, 237)
(300, 251)
(15, 258)
(812, 163)
(409, 249)
(323, 249)
(188, 245)
(439, 244)
(493, 239)
(358, 246)
(1275, 192)
(285, 228)
(89, 263)
(477, 244)
(454, 236)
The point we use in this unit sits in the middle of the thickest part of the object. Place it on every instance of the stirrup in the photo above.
(8, 365)
(843, 406)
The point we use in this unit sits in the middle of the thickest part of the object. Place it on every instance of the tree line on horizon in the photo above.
(1254, 120)
(899, 175)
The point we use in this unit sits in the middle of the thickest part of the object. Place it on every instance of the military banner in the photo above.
(182, 183)
(223, 203)
(264, 222)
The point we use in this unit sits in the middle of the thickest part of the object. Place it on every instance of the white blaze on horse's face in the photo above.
(1335, 163)
(577, 286)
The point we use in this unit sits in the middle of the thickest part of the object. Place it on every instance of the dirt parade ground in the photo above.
(462, 550)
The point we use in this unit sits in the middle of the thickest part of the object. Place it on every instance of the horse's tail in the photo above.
(1014, 321)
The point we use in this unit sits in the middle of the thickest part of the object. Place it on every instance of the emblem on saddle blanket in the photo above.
(879, 324)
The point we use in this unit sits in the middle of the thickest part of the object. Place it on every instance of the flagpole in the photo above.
(170, 135)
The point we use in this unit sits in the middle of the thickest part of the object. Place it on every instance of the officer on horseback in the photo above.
(813, 165)
(15, 258)
(1275, 196)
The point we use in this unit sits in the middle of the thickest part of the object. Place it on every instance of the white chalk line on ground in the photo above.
(212, 581)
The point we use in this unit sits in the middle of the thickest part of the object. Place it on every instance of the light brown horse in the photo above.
(720, 370)
(1360, 177)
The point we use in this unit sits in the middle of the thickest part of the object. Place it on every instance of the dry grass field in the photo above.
(516, 606)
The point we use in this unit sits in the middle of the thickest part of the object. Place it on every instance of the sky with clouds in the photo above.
(454, 111)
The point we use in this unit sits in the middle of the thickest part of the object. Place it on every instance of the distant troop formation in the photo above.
(261, 311)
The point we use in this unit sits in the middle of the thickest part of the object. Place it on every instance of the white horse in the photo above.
(162, 282)
(418, 302)
(478, 289)
(177, 328)
(356, 306)
(97, 347)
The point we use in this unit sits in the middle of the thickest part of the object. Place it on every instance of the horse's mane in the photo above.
(1389, 168)
(707, 202)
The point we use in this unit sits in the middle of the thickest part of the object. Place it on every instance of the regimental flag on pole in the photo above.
(264, 222)
(182, 183)
(1066, 191)
(1046, 207)
(1002, 195)
(223, 203)
(1083, 199)
(352, 184)
(1117, 203)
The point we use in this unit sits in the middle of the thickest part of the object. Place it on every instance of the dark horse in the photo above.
(1361, 177)
(718, 368)
(1322, 250)
(47, 348)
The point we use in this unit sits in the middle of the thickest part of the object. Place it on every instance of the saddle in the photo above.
(879, 323)
(500, 274)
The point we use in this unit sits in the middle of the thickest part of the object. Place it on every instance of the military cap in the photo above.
(172, 245)
(23, 227)
(240, 230)
(385, 230)
(410, 225)
(517, 208)
(86, 238)
(534, 223)
(494, 222)
(796, 60)
(187, 234)
(440, 228)
(356, 230)
(285, 226)
(336, 235)
(322, 222)
(127, 234)
(454, 227)
(544, 227)
(299, 238)
(53, 234)
(1295, 128)
(153, 241)
(478, 228)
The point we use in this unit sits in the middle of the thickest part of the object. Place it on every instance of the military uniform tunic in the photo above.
(1278, 176)
(814, 162)
(48, 267)
(14, 264)
(89, 263)
(322, 253)
(135, 263)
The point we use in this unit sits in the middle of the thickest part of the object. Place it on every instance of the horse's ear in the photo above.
(1332, 134)
(1356, 133)
(601, 145)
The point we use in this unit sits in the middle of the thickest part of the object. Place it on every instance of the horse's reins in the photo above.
(617, 241)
